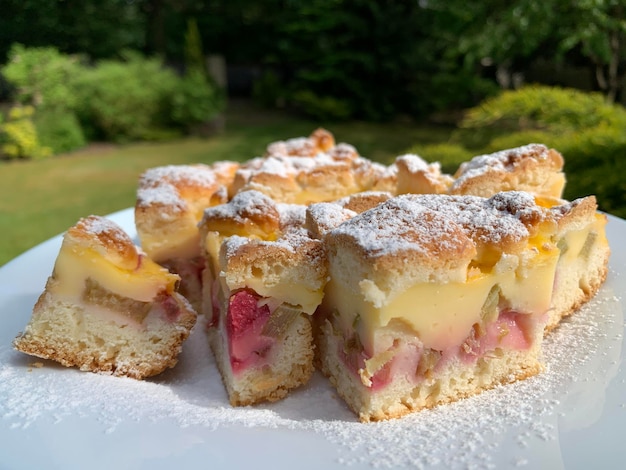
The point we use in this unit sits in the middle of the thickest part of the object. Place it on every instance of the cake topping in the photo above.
(438, 229)
(104, 237)
(167, 185)
(502, 220)
(325, 216)
(319, 141)
(532, 167)
(416, 175)
(248, 213)
(402, 225)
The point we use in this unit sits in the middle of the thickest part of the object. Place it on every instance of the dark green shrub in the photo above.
(595, 164)
(323, 108)
(556, 111)
(268, 91)
(195, 100)
(543, 107)
(517, 139)
(59, 130)
(125, 100)
(41, 76)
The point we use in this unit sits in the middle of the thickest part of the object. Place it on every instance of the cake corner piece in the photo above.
(107, 307)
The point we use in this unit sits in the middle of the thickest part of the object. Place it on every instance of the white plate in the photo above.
(571, 416)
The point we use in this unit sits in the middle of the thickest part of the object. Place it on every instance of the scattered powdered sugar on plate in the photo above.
(582, 355)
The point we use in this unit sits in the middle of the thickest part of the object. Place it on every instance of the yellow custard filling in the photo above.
(74, 266)
(296, 294)
(442, 314)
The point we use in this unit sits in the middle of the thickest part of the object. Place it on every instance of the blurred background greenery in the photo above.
(93, 92)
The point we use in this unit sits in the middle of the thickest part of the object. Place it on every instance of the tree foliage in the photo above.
(99, 28)
(510, 34)
(370, 59)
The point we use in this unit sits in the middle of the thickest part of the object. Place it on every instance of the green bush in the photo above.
(323, 108)
(125, 100)
(268, 91)
(42, 79)
(18, 135)
(41, 76)
(195, 100)
(136, 98)
(543, 107)
(588, 131)
(59, 130)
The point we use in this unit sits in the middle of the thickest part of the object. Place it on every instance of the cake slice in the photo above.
(311, 169)
(170, 203)
(107, 307)
(264, 279)
(534, 168)
(583, 255)
(432, 298)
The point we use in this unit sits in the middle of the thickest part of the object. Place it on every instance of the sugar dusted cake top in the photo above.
(105, 238)
(438, 225)
(173, 185)
(532, 167)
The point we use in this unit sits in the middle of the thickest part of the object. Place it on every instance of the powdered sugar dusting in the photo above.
(401, 225)
(244, 205)
(423, 223)
(291, 215)
(325, 216)
(414, 163)
(582, 356)
(95, 225)
(486, 220)
(500, 161)
(161, 185)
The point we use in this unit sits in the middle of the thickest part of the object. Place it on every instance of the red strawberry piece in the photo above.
(244, 312)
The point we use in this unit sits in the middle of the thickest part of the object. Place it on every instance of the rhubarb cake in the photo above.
(432, 298)
(534, 168)
(382, 269)
(170, 203)
(312, 169)
(107, 307)
(583, 256)
(264, 279)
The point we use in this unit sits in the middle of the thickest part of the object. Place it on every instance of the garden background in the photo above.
(93, 92)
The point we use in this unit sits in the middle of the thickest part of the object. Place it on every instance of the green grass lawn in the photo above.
(39, 199)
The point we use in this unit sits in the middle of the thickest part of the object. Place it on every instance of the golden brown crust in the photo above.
(417, 176)
(311, 169)
(322, 217)
(241, 258)
(575, 214)
(85, 359)
(533, 168)
(249, 213)
(363, 201)
(439, 232)
(319, 141)
(104, 237)
(170, 203)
